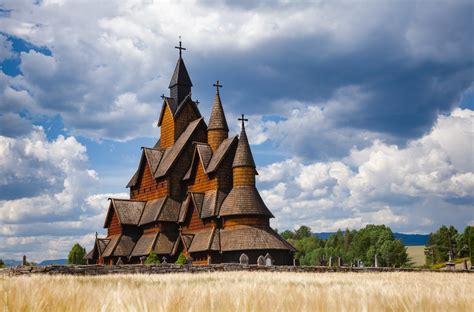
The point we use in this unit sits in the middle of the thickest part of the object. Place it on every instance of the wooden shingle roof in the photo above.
(220, 154)
(217, 121)
(166, 242)
(153, 157)
(114, 239)
(124, 246)
(144, 245)
(244, 200)
(203, 240)
(163, 209)
(128, 211)
(246, 237)
(212, 202)
(243, 155)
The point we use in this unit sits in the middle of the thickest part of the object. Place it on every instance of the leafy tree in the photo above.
(181, 259)
(2, 264)
(440, 243)
(76, 255)
(302, 232)
(288, 234)
(152, 258)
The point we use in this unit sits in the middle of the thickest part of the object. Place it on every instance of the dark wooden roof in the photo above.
(244, 200)
(111, 245)
(217, 121)
(243, 154)
(212, 203)
(144, 245)
(176, 108)
(203, 240)
(128, 211)
(246, 237)
(180, 75)
(172, 153)
(124, 246)
(220, 154)
(163, 209)
(153, 157)
(166, 242)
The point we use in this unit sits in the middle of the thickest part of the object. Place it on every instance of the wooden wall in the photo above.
(246, 221)
(148, 187)
(167, 136)
(244, 176)
(183, 118)
(201, 181)
(215, 138)
(114, 225)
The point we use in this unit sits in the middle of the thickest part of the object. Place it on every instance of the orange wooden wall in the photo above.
(148, 188)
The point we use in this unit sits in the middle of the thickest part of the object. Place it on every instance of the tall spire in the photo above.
(243, 155)
(217, 120)
(180, 84)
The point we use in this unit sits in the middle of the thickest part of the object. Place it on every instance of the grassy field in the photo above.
(237, 291)
(416, 255)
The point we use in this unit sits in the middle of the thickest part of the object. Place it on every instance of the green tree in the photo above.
(440, 243)
(288, 234)
(302, 232)
(152, 258)
(181, 259)
(2, 264)
(76, 255)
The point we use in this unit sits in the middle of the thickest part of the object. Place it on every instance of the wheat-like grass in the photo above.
(241, 291)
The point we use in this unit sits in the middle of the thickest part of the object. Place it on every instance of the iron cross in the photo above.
(217, 85)
(243, 120)
(197, 102)
(180, 48)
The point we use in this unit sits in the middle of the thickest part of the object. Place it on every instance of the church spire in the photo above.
(243, 155)
(217, 131)
(180, 84)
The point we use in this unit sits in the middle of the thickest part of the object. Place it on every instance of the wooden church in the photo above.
(193, 193)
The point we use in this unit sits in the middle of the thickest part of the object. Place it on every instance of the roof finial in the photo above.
(96, 235)
(243, 120)
(217, 85)
(180, 48)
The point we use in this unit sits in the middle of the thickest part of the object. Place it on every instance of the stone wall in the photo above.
(172, 268)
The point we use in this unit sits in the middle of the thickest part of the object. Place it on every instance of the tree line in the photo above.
(448, 241)
(353, 247)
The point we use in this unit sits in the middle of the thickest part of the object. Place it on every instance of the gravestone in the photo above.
(450, 266)
(268, 260)
(376, 261)
(164, 260)
(119, 261)
(330, 261)
(261, 260)
(23, 261)
(339, 261)
(244, 259)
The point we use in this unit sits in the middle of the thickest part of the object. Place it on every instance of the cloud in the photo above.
(6, 49)
(403, 56)
(422, 185)
(47, 199)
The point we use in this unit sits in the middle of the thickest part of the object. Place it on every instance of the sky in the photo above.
(359, 112)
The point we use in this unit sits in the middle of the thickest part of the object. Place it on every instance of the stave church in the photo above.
(193, 193)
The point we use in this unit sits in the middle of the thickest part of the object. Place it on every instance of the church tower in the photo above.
(218, 130)
(180, 84)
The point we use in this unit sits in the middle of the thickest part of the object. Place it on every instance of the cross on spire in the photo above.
(243, 120)
(197, 102)
(217, 85)
(180, 48)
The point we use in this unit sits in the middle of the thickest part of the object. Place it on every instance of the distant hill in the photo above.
(407, 239)
(49, 262)
(11, 263)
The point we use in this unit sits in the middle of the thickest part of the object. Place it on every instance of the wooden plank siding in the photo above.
(194, 222)
(114, 225)
(246, 221)
(183, 118)
(201, 182)
(244, 176)
(167, 135)
(148, 187)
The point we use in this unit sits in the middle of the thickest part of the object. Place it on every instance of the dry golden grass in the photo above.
(416, 255)
(241, 291)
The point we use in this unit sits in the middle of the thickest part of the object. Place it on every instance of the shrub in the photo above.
(152, 258)
(181, 259)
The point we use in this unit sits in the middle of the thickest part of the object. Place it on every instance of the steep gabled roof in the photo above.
(217, 121)
(124, 246)
(244, 200)
(163, 209)
(144, 245)
(220, 154)
(203, 240)
(212, 202)
(165, 244)
(210, 161)
(172, 154)
(114, 239)
(176, 108)
(202, 152)
(243, 154)
(180, 75)
(245, 237)
(128, 211)
(153, 157)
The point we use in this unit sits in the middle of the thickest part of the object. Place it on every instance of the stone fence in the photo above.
(173, 268)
